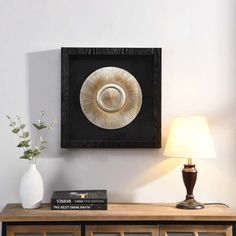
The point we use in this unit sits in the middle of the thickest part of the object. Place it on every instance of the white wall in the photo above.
(198, 40)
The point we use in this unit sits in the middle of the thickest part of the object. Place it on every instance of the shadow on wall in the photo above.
(118, 170)
(44, 93)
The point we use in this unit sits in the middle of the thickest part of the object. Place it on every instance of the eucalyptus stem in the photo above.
(13, 124)
(30, 150)
(37, 131)
(22, 133)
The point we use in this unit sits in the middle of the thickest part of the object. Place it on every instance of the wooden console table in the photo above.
(119, 220)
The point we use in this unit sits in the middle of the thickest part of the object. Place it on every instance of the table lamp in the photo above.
(189, 138)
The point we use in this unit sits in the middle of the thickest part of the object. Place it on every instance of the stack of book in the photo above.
(79, 200)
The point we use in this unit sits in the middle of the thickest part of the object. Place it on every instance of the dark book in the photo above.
(79, 197)
(79, 206)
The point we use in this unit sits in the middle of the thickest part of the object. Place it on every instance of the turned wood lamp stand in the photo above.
(189, 174)
(189, 138)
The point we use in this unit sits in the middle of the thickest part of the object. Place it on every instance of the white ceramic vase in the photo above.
(31, 188)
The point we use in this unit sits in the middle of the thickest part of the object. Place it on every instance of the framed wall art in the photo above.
(111, 97)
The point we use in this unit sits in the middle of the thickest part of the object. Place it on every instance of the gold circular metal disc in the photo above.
(110, 98)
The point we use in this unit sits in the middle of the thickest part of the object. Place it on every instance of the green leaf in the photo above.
(28, 152)
(36, 152)
(22, 126)
(41, 148)
(25, 135)
(36, 126)
(12, 124)
(42, 141)
(27, 155)
(20, 145)
(43, 126)
(16, 130)
(24, 143)
(40, 126)
(24, 157)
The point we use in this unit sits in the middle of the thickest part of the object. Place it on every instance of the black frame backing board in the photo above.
(144, 64)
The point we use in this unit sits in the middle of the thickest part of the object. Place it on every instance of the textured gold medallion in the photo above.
(110, 98)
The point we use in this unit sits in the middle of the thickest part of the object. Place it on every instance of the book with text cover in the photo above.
(79, 197)
(79, 206)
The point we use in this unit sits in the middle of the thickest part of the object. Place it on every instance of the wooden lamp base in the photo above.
(189, 174)
(190, 204)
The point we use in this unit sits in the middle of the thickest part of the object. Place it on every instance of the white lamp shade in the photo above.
(190, 137)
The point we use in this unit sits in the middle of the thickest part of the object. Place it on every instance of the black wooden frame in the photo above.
(66, 141)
